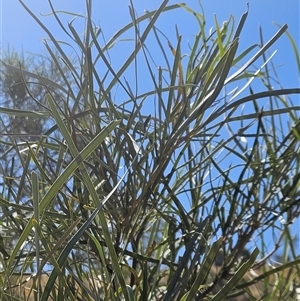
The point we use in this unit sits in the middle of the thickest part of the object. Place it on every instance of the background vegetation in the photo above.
(169, 191)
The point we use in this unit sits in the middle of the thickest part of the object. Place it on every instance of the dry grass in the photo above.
(25, 287)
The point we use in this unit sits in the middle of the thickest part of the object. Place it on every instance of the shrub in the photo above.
(134, 187)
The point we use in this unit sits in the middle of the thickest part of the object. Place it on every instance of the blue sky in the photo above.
(20, 31)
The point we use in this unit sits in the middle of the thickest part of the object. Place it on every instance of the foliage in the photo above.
(101, 180)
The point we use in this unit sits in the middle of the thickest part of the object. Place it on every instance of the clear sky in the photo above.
(19, 31)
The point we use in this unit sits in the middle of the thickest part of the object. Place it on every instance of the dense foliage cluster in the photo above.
(153, 195)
